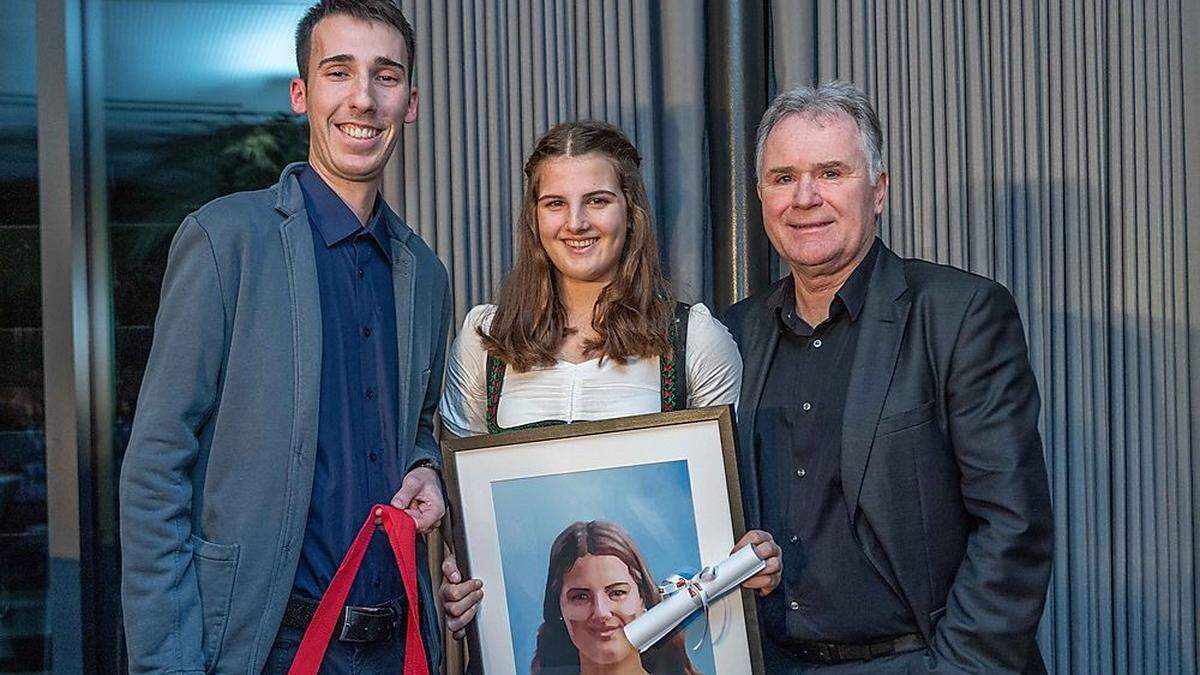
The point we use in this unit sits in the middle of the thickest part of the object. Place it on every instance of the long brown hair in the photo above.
(555, 651)
(632, 314)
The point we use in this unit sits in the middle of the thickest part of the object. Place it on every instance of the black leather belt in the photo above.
(356, 624)
(829, 653)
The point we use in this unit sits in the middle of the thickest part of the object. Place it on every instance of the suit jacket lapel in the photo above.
(404, 290)
(296, 235)
(413, 315)
(306, 328)
(884, 317)
(759, 338)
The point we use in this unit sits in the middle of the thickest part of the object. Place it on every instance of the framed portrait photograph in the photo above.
(574, 528)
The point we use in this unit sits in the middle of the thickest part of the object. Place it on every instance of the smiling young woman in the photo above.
(585, 327)
(587, 262)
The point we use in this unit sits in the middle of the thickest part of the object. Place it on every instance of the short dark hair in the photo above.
(382, 11)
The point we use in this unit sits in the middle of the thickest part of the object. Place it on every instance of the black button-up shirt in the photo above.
(357, 464)
(830, 591)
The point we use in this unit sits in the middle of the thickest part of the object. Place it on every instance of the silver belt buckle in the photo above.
(345, 634)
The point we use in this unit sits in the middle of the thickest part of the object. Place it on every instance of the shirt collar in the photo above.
(333, 218)
(850, 297)
(853, 293)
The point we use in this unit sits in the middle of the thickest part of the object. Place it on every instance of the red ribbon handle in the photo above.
(402, 535)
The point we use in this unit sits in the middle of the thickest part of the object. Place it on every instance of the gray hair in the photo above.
(827, 100)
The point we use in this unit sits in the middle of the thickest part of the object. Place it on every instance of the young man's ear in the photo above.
(411, 115)
(298, 93)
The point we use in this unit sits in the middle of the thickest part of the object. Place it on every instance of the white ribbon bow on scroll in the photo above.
(682, 596)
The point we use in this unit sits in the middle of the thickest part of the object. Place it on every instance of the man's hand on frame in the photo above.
(420, 496)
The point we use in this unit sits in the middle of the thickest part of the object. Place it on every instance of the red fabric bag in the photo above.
(402, 535)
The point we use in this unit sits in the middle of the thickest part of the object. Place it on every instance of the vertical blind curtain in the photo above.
(493, 75)
(1042, 144)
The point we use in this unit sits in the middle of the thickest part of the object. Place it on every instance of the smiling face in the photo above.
(582, 216)
(357, 97)
(599, 597)
(818, 204)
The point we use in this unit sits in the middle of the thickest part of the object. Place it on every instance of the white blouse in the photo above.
(583, 391)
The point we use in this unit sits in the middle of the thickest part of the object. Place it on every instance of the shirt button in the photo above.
(807, 406)
(373, 455)
(370, 394)
(793, 539)
(366, 331)
(817, 343)
(795, 606)
(801, 473)
(360, 273)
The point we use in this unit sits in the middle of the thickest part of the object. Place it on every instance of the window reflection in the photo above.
(196, 106)
(23, 643)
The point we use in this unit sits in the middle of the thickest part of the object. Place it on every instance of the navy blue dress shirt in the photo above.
(357, 463)
(830, 592)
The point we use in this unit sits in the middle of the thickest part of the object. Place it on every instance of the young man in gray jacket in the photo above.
(295, 370)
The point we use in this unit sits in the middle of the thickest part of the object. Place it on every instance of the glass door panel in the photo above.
(24, 645)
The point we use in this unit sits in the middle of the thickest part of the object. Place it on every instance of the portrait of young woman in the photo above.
(597, 582)
(583, 326)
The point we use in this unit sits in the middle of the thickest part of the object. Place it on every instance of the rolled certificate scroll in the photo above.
(682, 597)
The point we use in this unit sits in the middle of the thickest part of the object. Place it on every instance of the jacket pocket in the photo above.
(216, 570)
(905, 420)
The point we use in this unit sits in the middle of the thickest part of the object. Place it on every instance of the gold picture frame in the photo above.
(669, 480)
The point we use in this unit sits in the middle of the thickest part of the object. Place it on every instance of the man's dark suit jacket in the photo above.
(942, 465)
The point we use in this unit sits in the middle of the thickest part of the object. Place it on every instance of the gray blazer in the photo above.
(217, 477)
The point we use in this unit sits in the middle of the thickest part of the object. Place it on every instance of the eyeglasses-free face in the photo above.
(599, 597)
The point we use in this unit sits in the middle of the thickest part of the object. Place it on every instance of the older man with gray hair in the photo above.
(888, 425)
